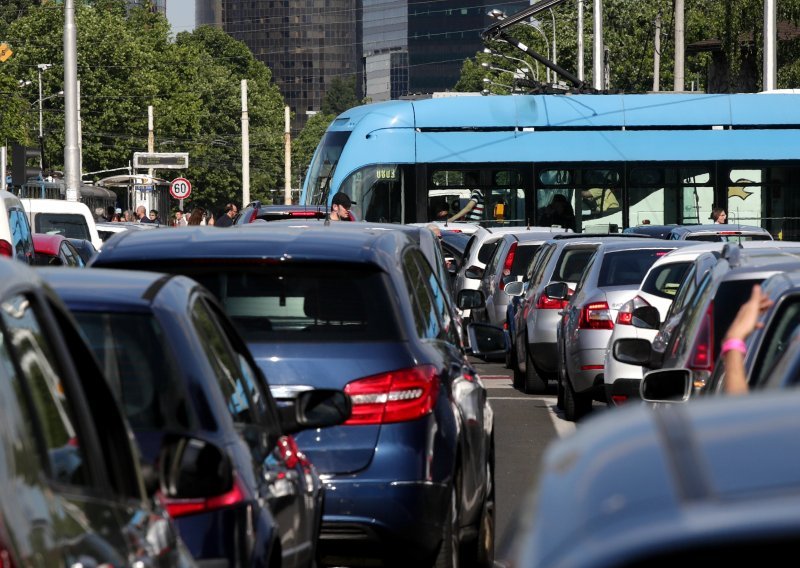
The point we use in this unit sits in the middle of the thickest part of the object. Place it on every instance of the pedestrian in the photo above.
(196, 216)
(473, 210)
(226, 219)
(180, 220)
(154, 218)
(340, 207)
(141, 215)
(110, 212)
(127, 216)
(719, 216)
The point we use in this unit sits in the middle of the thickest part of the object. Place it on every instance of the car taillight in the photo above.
(545, 302)
(289, 451)
(396, 396)
(596, 316)
(307, 214)
(702, 361)
(183, 507)
(507, 264)
(6, 249)
(625, 314)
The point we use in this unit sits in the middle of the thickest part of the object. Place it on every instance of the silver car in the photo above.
(613, 276)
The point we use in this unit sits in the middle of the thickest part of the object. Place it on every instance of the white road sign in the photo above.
(180, 188)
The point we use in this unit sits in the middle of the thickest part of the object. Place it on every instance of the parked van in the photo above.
(16, 240)
(71, 219)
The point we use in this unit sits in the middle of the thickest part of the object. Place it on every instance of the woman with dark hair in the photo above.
(719, 216)
(196, 217)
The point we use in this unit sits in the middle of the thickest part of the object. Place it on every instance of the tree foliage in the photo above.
(341, 95)
(128, 62)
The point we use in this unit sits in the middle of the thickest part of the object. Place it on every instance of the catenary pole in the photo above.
(598, 52)
(71, 158)
(770, 46)
(245, 147)
(680, 79)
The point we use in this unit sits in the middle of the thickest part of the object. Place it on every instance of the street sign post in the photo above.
(161, 160)
(180, 188)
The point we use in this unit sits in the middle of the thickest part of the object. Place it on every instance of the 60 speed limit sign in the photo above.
(180, 188)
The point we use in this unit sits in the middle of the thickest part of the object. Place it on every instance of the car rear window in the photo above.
(486, 251)
(522, 259)
(301, 302)
(67, 224)
(664, 280)
(728, 238)
(628, 267)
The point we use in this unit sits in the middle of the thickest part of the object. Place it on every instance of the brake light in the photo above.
(703, 352)
(308, 214)
(183, 507)
(507, 264)
(6, 249)
(289, 451)
(625, 314)
(596, 316)
(545, 302)
(397, 396)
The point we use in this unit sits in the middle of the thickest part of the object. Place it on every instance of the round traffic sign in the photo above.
(180, 188)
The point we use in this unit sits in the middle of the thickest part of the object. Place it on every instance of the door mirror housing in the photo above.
(557, 291)
(190, 468)
(646, 317)
(516, 288)
(632, 351)
(311, 408)
(666, 385)
(486, 340)
(470, 300)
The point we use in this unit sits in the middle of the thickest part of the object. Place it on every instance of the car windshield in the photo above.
(302, 302)
(628, 267)
(139, 366)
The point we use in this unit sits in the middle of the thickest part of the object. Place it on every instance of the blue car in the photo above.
(177, 365)
(359, 307)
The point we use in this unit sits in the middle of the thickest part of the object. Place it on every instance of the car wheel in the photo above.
(533, 382)
(560, 397)
(511, 357)
(575, 405)
(448, 556)
(484, 551)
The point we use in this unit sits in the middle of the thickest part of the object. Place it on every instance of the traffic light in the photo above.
(23, 167)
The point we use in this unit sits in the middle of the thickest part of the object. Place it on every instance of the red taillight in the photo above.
(507, 264)
(703, 352)
(183, 507)
(6, 249)
(625, 314)
(307, 214)
(289, 451)
(596, 316)
(619, 399)
(397, 396)
(545, 302)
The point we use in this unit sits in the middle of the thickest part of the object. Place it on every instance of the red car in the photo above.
(55, 250)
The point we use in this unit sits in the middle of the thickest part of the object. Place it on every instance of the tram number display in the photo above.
(180, 188)
(389, 174)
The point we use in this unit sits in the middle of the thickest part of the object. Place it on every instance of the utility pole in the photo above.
(657, 56)
(679, 47)
(41, 68)
(580, 40)
(287, 158)
(770, 80)
(151, 147)
(80, 135)
(598, 52)
(245, 147)
(3, 163)
(71, 159)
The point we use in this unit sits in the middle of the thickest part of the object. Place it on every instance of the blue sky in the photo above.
(180, 14)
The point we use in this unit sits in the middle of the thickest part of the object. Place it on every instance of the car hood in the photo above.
(331, 365)
(656, 477)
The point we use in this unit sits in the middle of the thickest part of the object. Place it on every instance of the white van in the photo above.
(60, 217)
(16, 240)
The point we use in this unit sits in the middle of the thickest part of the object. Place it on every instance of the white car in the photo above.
(71, 219)
(658, 289)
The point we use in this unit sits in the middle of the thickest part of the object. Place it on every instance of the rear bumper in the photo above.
(389, 522)
(627, 388)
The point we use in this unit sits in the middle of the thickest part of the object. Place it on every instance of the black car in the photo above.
(72, 491)
(257, 211)
(176, 363)
(359, 306)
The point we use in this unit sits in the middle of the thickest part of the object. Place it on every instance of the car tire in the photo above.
(576, 405)
(560, 397)
(449, 551)
(511, 357)
(534, 384)
(484, 550)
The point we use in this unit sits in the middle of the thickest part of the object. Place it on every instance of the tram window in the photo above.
(455, 178)
(556, 177)
(646, 177)
(507, 178)
(602, 178)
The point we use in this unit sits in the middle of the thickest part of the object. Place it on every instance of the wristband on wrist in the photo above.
(733, 345)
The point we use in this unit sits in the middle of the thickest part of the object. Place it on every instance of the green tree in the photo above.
(340, 96)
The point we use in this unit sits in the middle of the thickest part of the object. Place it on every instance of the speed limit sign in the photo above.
(180, 188)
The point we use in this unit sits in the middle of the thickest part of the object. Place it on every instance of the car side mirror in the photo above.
(487, 340)
(632, 351)
(557, 291)
(666, 385)
(474, 272)
(470, 300)
(516, 288)
(646, 317)
(312, 408)
(190, 468)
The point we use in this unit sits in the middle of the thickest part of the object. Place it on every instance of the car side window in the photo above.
(777, 338)
(232, 382)
(586, 272)
(540, 259)
(500, 250)
(49, 410)
(20, 234)
(427, 323)
(440, 303)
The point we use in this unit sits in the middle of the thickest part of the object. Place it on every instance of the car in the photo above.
(454, 243)
(658, 289)
(107, 229)
(691, 336)
(611, 278)
(56, 250)
(61, 217)
(72, 487)
(358, 306)
(512, 255)
(85, 248)
(257, 211)
(16, 240)
(657, 231)
(534, 354)
(715, 481)
(177, 365)
(720, 233)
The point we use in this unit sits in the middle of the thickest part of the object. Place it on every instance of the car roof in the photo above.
(644, 243)
(719, 228)
(47, 244)
(35, 205)
(336, 242)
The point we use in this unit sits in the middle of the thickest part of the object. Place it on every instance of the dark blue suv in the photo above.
(358, 306)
